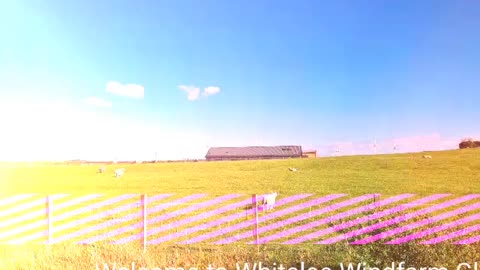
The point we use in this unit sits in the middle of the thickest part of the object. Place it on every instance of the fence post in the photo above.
(255, 209)
(49, 209)
(144, 211)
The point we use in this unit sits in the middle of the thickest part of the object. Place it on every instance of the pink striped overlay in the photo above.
(230, 218)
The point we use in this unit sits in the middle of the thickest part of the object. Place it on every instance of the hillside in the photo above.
(455, 171)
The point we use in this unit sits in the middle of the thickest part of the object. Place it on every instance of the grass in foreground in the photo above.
(89, 257)
(456, 172)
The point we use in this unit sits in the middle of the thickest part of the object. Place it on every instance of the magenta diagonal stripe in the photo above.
(133, 216)
(321, 221)
(469, 241)
(159, 218)
(20, 219)
(88, 208)
(43, 211)
(416, 224)
(192, 219)
(179, 223)
(220, 221)
(308, 215)
(442, 227)
(77, 212)
(281, 213)
(377, 215)
(28, 205)
(357, 210)
(401, 218)
(428, 210)
(33, 225)
(91, 207)
(15, 199)
(451, 235)
(106, 214)
(241, 224)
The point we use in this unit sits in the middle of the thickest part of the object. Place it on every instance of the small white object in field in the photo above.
(268, 201)
(292, 169)
(101, 170)
(119, 172)
(427, 156)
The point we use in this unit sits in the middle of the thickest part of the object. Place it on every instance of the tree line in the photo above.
(469, 143)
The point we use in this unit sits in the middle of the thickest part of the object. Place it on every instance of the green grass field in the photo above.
(456, 172)
(450, 171)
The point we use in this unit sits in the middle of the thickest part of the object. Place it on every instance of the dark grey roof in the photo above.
(255, 151)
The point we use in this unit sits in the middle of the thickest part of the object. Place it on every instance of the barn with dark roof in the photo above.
(254, 152)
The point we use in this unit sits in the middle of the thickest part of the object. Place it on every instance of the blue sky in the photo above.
(322, 74)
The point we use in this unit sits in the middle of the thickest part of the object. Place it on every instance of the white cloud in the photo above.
(211, 90)
(98, 102)
(127, 90)
(193, 93)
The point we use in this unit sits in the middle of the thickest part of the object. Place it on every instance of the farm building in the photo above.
(254, 152)
(310, 154)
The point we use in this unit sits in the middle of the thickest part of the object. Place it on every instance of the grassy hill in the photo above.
(449, 171)
(455, 172)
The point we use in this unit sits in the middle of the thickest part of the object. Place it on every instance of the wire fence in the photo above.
(153, 219)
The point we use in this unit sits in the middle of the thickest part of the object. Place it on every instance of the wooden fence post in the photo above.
(49, 209)
(255, 209)
(144, 211)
